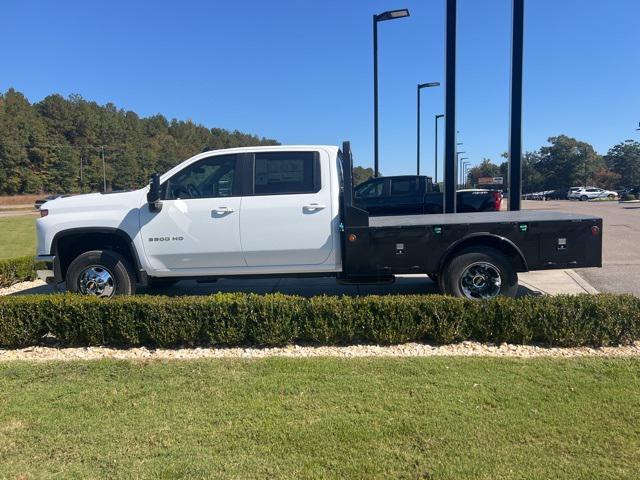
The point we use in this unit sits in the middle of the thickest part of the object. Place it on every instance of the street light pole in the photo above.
(462, 163)
(435, 157)
(458, 164)
(390, 15)
(420, 87)
(465, 166)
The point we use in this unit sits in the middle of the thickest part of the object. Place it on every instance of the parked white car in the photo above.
(571, 191)
(589, 193)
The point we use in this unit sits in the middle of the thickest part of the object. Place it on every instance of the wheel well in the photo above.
(70, 246)
(506, 247)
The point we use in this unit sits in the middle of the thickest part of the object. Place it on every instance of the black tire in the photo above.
(162, 283)
(489, 264)
(435, 278)
(120, 273)
(584, 198)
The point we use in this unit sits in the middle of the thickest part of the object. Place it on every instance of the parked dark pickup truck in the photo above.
(412, 194)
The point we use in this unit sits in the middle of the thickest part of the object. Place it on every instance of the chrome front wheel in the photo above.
(96, 280)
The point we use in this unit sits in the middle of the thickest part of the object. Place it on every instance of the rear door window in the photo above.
(404, 186)
(282, 173)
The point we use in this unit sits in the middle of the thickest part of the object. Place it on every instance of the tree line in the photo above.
(567, 162)
(58, 144)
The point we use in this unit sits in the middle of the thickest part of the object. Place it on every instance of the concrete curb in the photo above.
(588, 288)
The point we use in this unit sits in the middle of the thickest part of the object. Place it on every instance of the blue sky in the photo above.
(301, 71)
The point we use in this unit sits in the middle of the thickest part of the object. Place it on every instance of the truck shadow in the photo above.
(310, 287)
(306, 287)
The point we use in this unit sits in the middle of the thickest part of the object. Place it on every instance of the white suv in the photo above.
(588, 193)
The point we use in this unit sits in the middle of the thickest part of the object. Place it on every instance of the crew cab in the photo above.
(289, 211)
(415, 194)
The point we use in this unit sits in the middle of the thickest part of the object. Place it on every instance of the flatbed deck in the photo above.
(521, 216)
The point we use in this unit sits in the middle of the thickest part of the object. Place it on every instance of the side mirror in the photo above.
(153, 197)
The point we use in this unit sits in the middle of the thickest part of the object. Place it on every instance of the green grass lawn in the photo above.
(434, 418)
(17, 236)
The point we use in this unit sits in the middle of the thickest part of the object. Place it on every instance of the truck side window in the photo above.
(212, 177)
(282, 173)
(404, 186)
(370, 189)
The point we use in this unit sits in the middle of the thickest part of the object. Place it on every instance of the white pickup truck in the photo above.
(288, 211)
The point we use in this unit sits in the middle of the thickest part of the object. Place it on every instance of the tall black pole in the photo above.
(435, 157)
(376, 170)
(418, 136)
(515, 130)
(450, 111)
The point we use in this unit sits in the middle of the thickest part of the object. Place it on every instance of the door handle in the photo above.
(220, 210)
(314, 206)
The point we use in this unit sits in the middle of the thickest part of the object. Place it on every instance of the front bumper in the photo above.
(50, 272)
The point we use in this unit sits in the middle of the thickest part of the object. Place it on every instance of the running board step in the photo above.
(366, 280)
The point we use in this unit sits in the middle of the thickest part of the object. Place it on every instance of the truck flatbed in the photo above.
(462, 249)
(521, 216)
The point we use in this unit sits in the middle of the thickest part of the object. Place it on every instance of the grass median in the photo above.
(17, 236)
(322, 418)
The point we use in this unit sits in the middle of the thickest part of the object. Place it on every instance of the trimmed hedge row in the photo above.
(16, 270)
(271, 320)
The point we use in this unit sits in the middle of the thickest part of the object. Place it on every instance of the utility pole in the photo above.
(81, 177)
(104, 171)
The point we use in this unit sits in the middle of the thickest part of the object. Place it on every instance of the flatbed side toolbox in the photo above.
(571, 244)
(545, 239)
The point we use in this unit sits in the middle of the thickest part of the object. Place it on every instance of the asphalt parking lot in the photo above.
(620, 272)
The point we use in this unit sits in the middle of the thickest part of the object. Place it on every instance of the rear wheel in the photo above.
(584, 198)
(480, 274)
(100, 273)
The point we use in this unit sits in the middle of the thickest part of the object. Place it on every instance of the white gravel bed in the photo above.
(465, 349)
(19, 287)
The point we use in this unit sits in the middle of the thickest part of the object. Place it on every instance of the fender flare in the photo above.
(110, 230)
(500, 242)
